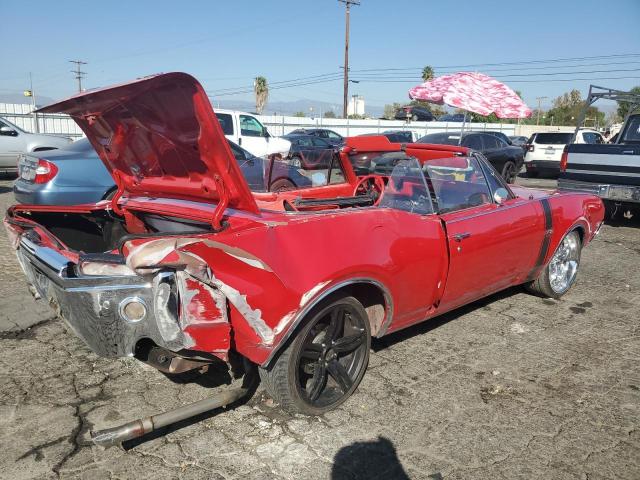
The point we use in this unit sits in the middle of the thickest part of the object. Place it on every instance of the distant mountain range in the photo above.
(289, 108)
(20, 98)
(280, 108)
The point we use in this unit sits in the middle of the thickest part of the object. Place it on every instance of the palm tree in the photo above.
(427, 73)
(261, 89)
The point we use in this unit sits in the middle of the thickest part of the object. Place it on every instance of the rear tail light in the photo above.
(564, 158)
(529, 147)
(45, 171)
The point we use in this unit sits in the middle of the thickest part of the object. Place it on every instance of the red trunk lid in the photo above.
(159, 137)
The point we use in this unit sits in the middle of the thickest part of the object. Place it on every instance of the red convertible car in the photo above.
(185, 266)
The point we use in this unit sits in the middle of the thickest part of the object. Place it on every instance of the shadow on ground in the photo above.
(367, 460)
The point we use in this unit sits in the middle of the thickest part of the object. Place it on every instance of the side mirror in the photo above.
(500, 195)
(6, 131)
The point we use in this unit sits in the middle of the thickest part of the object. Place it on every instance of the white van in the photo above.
(246, 130)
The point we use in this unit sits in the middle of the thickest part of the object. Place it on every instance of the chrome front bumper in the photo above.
(615, 193)
(92, 305)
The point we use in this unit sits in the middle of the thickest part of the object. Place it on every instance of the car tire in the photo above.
(282, 185)
(560, 273)
(414, 118)
(509, 172)
(323, 364)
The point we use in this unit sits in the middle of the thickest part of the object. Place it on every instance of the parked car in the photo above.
(451, 117)
(544, 150)
(501, 135)
(506, 159)
(75, 175)
(309, 152)
(14, 141)
(329, 135)
(192, 268)
(396, 136)
(518, 140)
(611, 171)
(411, 112)
(245, 129)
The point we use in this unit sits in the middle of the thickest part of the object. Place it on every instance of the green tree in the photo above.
(329, 114)
(567, 108)
(427, 73)
(299, 114)
(390, 110)
(623, 107)
(261, 90)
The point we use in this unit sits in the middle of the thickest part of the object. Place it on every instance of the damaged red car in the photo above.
(186, 266)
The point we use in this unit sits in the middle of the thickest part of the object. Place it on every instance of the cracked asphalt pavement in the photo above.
(513, 386)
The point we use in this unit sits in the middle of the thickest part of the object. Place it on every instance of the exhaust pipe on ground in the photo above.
(137, 428)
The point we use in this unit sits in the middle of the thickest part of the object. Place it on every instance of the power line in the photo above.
(300, 84)
(413, 79)
(530, 62)
(79, 75)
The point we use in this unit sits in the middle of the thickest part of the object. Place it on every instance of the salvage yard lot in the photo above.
(513, 386)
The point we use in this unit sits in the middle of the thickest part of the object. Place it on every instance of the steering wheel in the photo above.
(372, 185)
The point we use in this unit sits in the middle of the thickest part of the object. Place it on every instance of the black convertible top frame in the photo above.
(596, 93)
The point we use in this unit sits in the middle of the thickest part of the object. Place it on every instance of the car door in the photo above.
(322, 152)
(494, 150)
(491, 245)
(252, 134)
(11, 145)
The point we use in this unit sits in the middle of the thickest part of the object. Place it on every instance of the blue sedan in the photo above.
(76, 175)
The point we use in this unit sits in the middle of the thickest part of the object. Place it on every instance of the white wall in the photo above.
(20, 114)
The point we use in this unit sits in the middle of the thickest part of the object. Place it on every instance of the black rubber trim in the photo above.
(544, 247)
(600, 179)
(604, 168)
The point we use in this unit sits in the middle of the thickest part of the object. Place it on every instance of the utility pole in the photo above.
(539, 99)
(345, 96)
(79, 75)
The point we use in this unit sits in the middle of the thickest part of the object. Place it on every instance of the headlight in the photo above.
(132, 309)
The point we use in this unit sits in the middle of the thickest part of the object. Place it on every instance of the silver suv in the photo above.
(14, 141)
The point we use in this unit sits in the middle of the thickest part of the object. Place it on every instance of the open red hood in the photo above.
(158, 136)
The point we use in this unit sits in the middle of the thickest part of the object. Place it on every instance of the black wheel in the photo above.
(560, 274)
(509, 172)
(324, 363)
(282, 185)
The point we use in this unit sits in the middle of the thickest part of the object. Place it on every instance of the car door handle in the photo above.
(458, 237)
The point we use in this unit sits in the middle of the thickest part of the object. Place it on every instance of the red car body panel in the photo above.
(248, 286)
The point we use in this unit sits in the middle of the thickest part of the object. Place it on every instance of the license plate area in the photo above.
(624, 193)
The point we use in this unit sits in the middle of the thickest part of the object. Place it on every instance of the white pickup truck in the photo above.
(246, 130)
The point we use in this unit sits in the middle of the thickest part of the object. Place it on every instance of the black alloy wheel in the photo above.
(325, 362)
(509, 172)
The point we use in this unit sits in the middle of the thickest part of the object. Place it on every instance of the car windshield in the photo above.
(441, 138)
(632, 132)
(407, 188)
(553, 138)
(304, 169)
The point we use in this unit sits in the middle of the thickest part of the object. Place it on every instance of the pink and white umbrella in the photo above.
(474, 92)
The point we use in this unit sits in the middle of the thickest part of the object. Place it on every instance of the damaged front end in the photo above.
(113, 309)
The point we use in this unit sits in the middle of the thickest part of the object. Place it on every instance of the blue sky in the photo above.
(226, 44)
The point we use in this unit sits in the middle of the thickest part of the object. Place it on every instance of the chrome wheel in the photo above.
(563, 266)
